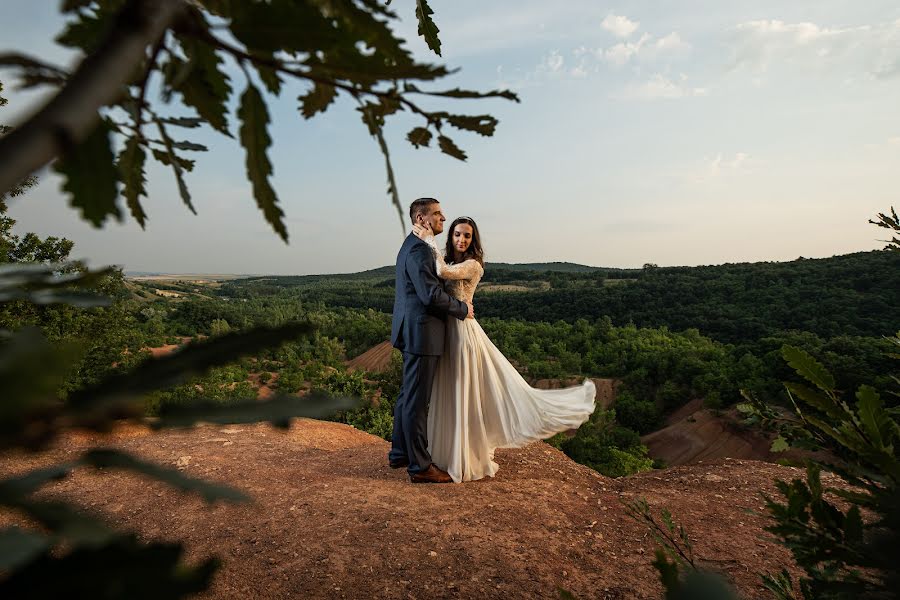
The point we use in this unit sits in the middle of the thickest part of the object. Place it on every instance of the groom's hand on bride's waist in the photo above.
(471, 314)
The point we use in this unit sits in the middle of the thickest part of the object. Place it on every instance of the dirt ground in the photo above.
(330, 519)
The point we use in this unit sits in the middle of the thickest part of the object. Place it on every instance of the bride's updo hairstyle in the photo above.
(474, 251)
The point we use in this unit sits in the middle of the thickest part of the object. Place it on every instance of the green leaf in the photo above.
(176, 368)
(90, 176)
(72, 5)
(18, 546)
(255, 140)
(668, 573)
(667, 520)
(449, 147)
(372, 116)
(104, 458)
(269, 27)
(459, 93)
(131, 171)
(817, 400)
(269, 77)
(779, 444)
(278, 411)
(418, 137)
(427, 27)
(871, 415)
(853, 527)
(170, 158)
(32, 72)
(190, 122)
(44, 284)
(185, 145)
(121, 568)
(77, 527)
(87, 31)
(481, 124)
(206, 87)
(808, 368)
(14, 488)
(781, 585)
(317, 99)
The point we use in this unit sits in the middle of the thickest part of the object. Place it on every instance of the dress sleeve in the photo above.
(468, 269)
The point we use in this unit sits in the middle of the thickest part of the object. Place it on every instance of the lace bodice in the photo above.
(461, 279)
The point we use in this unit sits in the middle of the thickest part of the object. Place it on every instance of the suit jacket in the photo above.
(421, 305)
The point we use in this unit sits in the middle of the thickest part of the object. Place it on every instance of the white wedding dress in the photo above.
(479, 402)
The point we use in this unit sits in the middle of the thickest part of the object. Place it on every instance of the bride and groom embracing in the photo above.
(460, 398)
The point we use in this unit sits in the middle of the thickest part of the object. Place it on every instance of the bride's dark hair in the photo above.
(474, 251)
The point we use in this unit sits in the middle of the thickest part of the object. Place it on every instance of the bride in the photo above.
(479, 402)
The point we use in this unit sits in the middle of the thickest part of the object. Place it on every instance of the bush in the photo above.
(642, 416)
(606, 447)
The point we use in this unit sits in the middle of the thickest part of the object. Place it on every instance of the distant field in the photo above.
(508, 287)
(185, 277)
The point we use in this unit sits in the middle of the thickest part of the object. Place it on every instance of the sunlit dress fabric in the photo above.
(479, 402)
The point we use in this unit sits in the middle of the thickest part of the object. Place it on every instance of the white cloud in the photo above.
(553, 66)
(672, 43)
(645, 49)
(661, 87)
(719, 166)
(619, 54)
(619, 26)
(552, 63)
(764, 44)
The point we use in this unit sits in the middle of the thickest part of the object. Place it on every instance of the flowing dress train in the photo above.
(479, 402)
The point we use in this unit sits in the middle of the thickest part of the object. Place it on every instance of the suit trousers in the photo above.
(409, 441)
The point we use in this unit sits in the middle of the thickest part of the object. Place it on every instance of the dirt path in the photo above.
(331, 520)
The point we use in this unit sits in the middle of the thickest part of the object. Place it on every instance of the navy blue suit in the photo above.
(421, 307)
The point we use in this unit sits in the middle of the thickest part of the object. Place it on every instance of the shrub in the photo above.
(642, 416)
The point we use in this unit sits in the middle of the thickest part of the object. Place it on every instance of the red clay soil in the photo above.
(375, 360)
(331, 520)
(168, 348)
(693, 434)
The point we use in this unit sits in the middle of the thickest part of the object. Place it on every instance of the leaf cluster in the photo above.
(69, 546)
(325, 48)
(847, 549)
(681, 575)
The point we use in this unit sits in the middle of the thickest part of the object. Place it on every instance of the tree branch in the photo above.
(72, 114)
(281, 67)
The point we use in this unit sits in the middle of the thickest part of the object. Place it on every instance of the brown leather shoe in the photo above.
(398, 464)
(431, 475)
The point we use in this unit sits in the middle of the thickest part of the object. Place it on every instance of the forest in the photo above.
(669, 334)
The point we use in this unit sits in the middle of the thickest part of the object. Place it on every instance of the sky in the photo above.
(681, 132)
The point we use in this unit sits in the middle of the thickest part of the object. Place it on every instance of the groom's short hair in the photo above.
(419, 206)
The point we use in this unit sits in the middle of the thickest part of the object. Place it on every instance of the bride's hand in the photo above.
(422, 232)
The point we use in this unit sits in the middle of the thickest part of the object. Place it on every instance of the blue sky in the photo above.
(679, 133)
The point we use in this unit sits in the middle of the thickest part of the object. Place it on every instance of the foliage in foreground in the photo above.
(845, 538)
(65, 548)
(142, 55)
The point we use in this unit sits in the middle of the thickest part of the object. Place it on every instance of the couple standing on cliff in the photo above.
(460, 398)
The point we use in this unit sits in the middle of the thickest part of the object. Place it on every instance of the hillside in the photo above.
(847, 295)
(330, 519)
(694, 434)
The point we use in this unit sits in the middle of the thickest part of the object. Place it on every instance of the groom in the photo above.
(421, 307)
